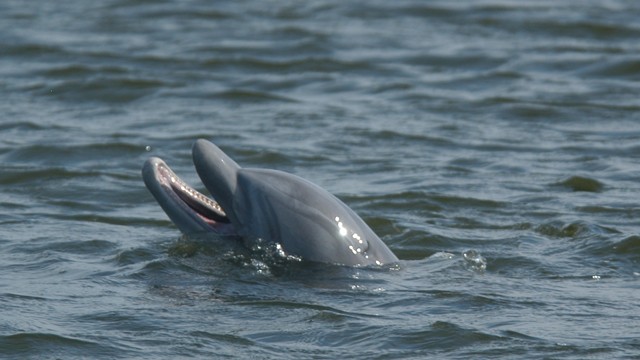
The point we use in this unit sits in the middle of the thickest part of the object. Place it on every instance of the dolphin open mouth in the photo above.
(189, 209)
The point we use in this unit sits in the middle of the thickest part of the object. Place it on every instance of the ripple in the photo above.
(444, 335)
(106, 90)
(88, 247)
(581, 183)
(571, 230)
(250, 96)
(189, 13)
(136, 256)
(629, 245)
(46, 344)
(303, 65)
(30, 50)
(24, 176)
(26, 126)
(618, 67)
(217, 338)
(80, 71)
(57, 156)
(592, 29)
(20, 297)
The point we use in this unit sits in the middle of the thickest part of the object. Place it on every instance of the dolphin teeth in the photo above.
(197, 201)
(201, 204)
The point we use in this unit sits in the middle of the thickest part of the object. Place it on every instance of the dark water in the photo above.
(493, 145)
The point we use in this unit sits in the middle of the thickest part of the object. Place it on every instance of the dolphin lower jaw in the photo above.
(188, 208)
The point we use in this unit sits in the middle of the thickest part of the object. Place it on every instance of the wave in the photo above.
(46, 344)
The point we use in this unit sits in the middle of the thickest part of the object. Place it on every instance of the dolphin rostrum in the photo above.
(265, 205)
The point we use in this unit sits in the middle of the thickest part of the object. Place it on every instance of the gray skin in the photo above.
(267, 205)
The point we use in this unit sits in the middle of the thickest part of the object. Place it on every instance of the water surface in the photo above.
(493, 145)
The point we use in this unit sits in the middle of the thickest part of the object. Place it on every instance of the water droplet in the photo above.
(147, 148)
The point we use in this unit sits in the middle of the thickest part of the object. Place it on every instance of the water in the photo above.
(493, 145)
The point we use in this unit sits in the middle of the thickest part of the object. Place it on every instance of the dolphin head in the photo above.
(265, 205)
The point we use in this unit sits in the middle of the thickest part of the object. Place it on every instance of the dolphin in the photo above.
(265, 205)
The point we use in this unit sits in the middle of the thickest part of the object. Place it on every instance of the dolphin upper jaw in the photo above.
(218, 172)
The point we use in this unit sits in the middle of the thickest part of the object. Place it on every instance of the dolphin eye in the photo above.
(362, 243)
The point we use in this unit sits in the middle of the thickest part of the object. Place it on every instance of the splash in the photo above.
(474, 261)
(268, 256)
